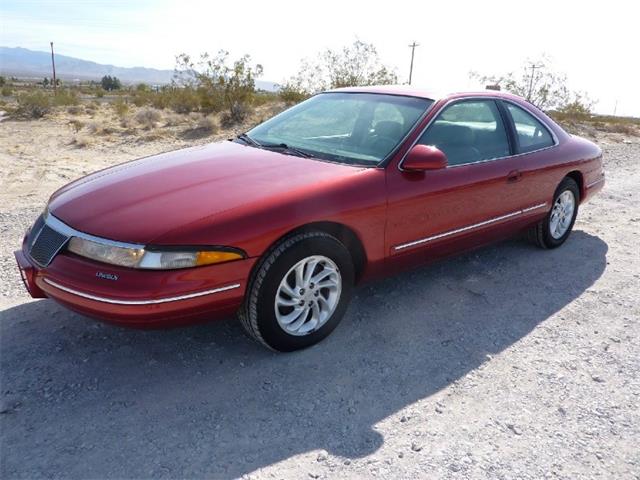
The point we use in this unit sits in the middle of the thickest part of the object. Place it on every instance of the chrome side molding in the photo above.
(469, 227)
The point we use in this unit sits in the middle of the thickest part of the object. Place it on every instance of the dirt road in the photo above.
(509, 362)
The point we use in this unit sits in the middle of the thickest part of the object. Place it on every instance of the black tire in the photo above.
(540, 234)
(257, 314)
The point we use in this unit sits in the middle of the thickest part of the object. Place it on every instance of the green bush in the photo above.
(292, 95)
(182, 100)
(65, 98)
(34, 105)
(6, 91)
(121, 107)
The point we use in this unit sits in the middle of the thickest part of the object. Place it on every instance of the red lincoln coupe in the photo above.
(279, 224)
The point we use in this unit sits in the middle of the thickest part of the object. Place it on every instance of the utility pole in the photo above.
(615, 108)
(53, 64)
(413, 50)
(533, 68)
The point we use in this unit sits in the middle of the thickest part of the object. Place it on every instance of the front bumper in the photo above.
(139, 298)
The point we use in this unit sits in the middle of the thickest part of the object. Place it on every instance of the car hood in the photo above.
(141, 200)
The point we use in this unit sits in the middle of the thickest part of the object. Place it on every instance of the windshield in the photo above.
(356, 128)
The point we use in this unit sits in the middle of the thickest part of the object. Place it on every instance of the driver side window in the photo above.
(468, 132)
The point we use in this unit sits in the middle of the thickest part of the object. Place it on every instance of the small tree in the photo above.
(540, 85)
(357, 64)
(110, 83)
(220, 84)
(45, 82)
(3, 81)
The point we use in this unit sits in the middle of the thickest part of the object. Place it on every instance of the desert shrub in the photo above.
(76, 124)
(357, 64)
(207, 125)
(159, 100)
(223, 85)
(182, 100)
(140, 98)
(209, 103)
(6, 91)
(148, 117)
(75, 109)
(237, 114)
(203, 127)
(173, 120)
(263, 98)
(121, 107)
(99, 93)
(34, 105)
(94, 127)
(81, 141)
(127, 123)
(623, 128)
(65, 97)
(543, 87)
(291, 94)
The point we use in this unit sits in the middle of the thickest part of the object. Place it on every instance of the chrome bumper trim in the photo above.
(469, 227)
(140, 302)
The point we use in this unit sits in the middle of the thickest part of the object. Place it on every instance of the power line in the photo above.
(413, 50)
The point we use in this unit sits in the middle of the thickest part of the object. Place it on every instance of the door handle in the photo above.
(514, 176)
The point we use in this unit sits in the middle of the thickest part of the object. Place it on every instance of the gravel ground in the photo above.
(509, 362)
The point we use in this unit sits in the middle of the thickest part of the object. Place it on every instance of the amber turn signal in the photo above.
(207, 258)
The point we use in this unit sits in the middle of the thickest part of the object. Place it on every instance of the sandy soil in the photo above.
(509, 362)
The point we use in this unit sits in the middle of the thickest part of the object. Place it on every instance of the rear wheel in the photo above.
(553, 230)
(299, 292)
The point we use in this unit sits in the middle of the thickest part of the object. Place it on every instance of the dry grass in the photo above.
(148, 117)
(81, 141)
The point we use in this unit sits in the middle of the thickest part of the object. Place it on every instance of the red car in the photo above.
(279, 224)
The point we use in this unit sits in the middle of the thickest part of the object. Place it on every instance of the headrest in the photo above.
(388, 129)
(450, 134)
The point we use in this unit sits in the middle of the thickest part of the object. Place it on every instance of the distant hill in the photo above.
(24, 63)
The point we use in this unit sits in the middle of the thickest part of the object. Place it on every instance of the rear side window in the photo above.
(468, 132)
(532, 134)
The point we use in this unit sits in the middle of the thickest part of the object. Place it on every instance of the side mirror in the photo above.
(424, 157)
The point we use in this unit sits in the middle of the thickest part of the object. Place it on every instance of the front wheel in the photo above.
(299, 292)
(555, 228)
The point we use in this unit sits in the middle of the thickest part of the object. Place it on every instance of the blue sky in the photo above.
(595, 43)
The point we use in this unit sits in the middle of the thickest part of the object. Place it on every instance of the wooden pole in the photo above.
(53, 65)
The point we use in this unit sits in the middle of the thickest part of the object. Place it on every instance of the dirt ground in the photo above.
(509, 362)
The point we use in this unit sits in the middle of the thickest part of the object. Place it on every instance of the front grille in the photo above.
(45, 244)
(35, 231)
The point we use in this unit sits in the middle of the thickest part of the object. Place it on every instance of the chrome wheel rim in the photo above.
(308, 295)
(562, 214)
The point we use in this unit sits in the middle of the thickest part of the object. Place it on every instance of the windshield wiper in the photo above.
(289, 149)
(248, 140)
(275, 146)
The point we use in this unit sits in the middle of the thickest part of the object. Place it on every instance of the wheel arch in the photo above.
(345, 234)
(576, 176)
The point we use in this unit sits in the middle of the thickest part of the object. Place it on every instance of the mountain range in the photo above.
(24, 63)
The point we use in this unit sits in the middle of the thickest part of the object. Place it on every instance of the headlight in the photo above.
(154, 258)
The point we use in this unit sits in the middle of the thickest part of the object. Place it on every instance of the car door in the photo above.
(440, 211)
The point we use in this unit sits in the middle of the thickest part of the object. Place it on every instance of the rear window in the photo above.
(532, 134)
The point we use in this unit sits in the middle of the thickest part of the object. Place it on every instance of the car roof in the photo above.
(411, 91)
